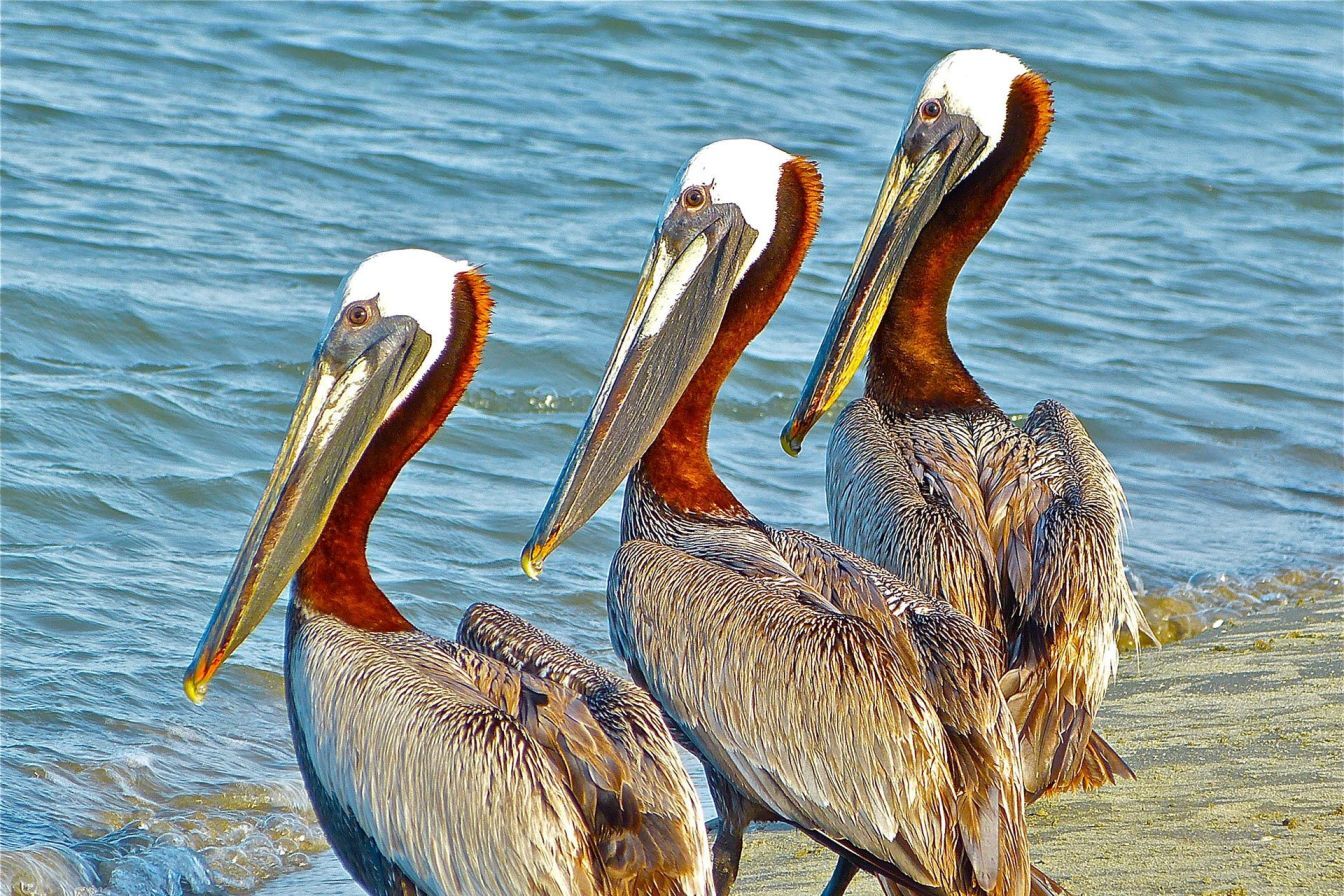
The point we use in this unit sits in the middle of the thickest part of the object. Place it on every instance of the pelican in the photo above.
(1018, 528)
(502, 763)
(816, 687)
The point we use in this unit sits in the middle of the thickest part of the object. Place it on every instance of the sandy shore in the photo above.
(1237, 736)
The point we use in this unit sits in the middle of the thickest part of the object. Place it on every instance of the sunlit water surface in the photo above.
(183, 186)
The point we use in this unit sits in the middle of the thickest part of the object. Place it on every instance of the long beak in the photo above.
(352, 383)
(915, 185)
(676, 312)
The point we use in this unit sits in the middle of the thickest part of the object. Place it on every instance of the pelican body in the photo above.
(816, 687)
(1018, 528)
(499, 763)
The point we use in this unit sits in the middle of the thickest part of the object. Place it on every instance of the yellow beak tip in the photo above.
(791, 439)
(535, 554)
(532, 564)
(195, 689)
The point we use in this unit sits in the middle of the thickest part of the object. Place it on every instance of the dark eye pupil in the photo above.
(931, 109)
(695, 196)
(357, 315)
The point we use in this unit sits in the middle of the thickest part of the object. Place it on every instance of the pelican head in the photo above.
(396, 329)
(718, 219)
(958, 119)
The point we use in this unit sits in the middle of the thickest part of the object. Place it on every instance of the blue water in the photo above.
(183, 185)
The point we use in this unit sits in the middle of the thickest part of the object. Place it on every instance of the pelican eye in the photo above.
(694, 198)
(930, 109)
(357, 315)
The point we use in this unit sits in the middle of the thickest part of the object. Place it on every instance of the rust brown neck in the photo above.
(335, 577)
(677, 464)
(912, 367)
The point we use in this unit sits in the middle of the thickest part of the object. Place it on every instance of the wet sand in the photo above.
(1237, 737)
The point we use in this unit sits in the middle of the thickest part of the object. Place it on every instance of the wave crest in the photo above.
(228, 842)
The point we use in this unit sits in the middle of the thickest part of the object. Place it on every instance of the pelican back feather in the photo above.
(416, 753)
(794, 669)
(741, 678)
(906, 495)
(961, 664)
(617, 755)
(1019, 528)
(1068, 604)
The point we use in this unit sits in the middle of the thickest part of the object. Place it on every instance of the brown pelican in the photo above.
(504, 763)
(816, 687)
(1018, 528)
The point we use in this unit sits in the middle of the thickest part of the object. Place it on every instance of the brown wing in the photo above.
(1058, 513)
(961, 666)
(615, 751)
(1024, 526)
(414, 766)
(819, 715)
(904, 493)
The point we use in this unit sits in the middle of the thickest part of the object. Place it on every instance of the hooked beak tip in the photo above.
(791, 439)
(194, 687)
(198, 676)
(534, 557)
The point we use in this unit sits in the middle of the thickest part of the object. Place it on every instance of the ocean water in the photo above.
(183, 185)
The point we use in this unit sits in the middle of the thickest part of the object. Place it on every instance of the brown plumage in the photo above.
(816, 687)
(1018, 528)
(628, 778)
(969, 507)
(501, 763)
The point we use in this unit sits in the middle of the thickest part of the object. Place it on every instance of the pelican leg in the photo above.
(725, 854)
(840, 878)
(726, 851)
(735, 813)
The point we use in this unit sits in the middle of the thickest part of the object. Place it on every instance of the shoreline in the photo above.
(1236, 736)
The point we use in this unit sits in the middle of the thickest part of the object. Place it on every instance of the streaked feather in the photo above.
(651, 832)
(797, 683)
(888, 492)
(961, 664)
(1020, 529)
(461, 773)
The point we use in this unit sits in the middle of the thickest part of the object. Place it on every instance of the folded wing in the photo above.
(1063, 522)
(615, 752)
(463, 797)
(961, 665)
(818, 714)
(905, 493)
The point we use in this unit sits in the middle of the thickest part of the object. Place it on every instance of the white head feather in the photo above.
(414, 283)
(975, 83)
(744, 173)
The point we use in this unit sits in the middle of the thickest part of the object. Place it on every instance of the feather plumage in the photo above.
(1017, 527)
(646, 815)
(928, 790)
(496, 770)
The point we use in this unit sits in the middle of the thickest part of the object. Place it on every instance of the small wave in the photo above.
(228, 842)
(1207, 602)
(124, 863)
(526, 401)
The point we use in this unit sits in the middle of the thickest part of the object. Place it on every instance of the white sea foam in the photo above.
(232, 841)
